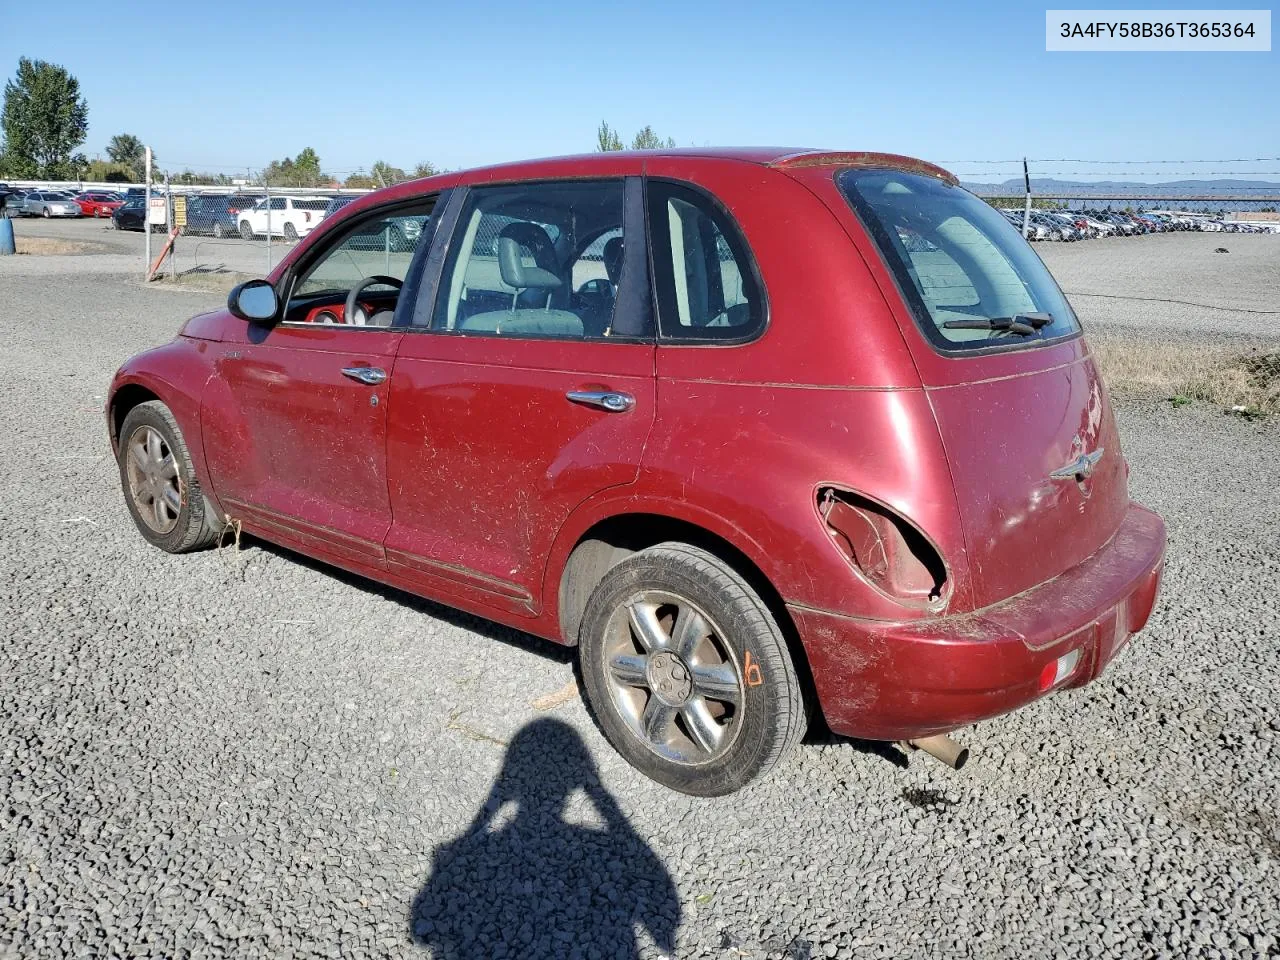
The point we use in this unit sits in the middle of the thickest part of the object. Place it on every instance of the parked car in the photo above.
(131, 215)
(218, 214)
(922, 524)
(1058, 228)
(336, 204)
(1035, 231)
(288, 217)
(11, 199)
(49, 203)
(95, 203)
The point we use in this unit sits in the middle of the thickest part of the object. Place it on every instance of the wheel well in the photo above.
(616, 538)
(126, 398)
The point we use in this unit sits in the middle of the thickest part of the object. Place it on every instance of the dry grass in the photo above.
(1190, 369)
(213, 281)
(49, 246)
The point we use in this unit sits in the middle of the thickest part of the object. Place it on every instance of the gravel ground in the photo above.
(1173, 281)
(121, 251)
(241, 753)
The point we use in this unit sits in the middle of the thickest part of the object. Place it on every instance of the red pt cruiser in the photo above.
(761, 432)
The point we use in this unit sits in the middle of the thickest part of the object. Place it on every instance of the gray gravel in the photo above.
(240, 753)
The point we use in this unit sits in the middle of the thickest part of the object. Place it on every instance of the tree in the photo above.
(607, 138)
(44, 120)
(127, 149)
(646, 139)
(384, 175)
(300, 171)
(108, 171)
(424, 169)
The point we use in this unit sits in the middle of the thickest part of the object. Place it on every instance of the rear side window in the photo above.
(706, 282)
(964, 270)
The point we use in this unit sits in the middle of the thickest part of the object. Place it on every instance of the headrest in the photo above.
(511, 240)
(612, 256)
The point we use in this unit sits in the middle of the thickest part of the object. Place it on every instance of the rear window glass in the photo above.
(965, 271)
(320, 204)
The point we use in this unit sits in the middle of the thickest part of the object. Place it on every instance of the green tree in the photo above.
(646, 139)
(190, 178)
(607, 138)
(424, 169)
(384, 175)
(360, 181)
(300, 171)
(108, 171)
(127, 149)
(44, 120)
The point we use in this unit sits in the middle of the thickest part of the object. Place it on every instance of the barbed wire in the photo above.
(1019, 160)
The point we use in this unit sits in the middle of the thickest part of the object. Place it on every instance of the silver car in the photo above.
(47, 203)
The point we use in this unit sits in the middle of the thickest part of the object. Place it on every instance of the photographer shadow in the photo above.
(522, 881)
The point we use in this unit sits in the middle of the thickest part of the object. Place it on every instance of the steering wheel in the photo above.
(349, 310)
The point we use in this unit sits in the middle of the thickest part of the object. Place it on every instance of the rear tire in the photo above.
(218, 232)
(290, 233)
(159, 482)
(246, 231)
(687, 673)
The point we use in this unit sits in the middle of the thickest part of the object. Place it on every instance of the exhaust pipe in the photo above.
(941, 747)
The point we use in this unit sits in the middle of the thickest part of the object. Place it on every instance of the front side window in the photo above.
(381, 246)
(537, 260)
(970, 279)
(707, 287)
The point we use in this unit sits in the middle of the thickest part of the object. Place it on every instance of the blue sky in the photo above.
(234, 84)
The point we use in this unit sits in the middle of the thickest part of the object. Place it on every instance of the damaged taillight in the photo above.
(891, 553)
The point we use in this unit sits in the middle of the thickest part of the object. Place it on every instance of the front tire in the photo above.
(159, 482)
(45, 213)
(246, 231)
(687, 672)
(290, 233)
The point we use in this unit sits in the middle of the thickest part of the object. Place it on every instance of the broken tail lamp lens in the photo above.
(891, 553)
(1057, 671)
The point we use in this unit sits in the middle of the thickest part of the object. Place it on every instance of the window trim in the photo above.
(326, 246)
(911, 298)
(662, 305)
(428, 297)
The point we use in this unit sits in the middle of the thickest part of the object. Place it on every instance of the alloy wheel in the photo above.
(672, 678)
(152, 471)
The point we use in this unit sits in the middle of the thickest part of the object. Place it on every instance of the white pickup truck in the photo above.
(288, 217)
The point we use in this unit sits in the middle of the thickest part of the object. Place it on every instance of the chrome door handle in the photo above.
(372, 376)
(604, 399)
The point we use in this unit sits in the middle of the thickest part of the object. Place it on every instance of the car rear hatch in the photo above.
(1023, 415)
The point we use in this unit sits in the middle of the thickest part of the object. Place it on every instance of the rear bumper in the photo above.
(901, 680)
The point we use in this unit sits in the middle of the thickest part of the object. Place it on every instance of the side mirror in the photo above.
(253, 300)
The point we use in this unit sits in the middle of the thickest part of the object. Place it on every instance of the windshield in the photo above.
(957, 261)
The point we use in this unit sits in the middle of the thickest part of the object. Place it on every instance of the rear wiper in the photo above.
(1023, 323)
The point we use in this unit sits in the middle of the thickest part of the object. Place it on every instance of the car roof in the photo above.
(610, 162)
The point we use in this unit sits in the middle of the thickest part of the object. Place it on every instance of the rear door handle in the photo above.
(371, 376)
(604, 399)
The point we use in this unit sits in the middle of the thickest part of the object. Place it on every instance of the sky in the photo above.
(233, 85)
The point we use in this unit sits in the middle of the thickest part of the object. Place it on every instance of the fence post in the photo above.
(267, 186)
(1026, 210)
(146, 219)
(168, 222)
